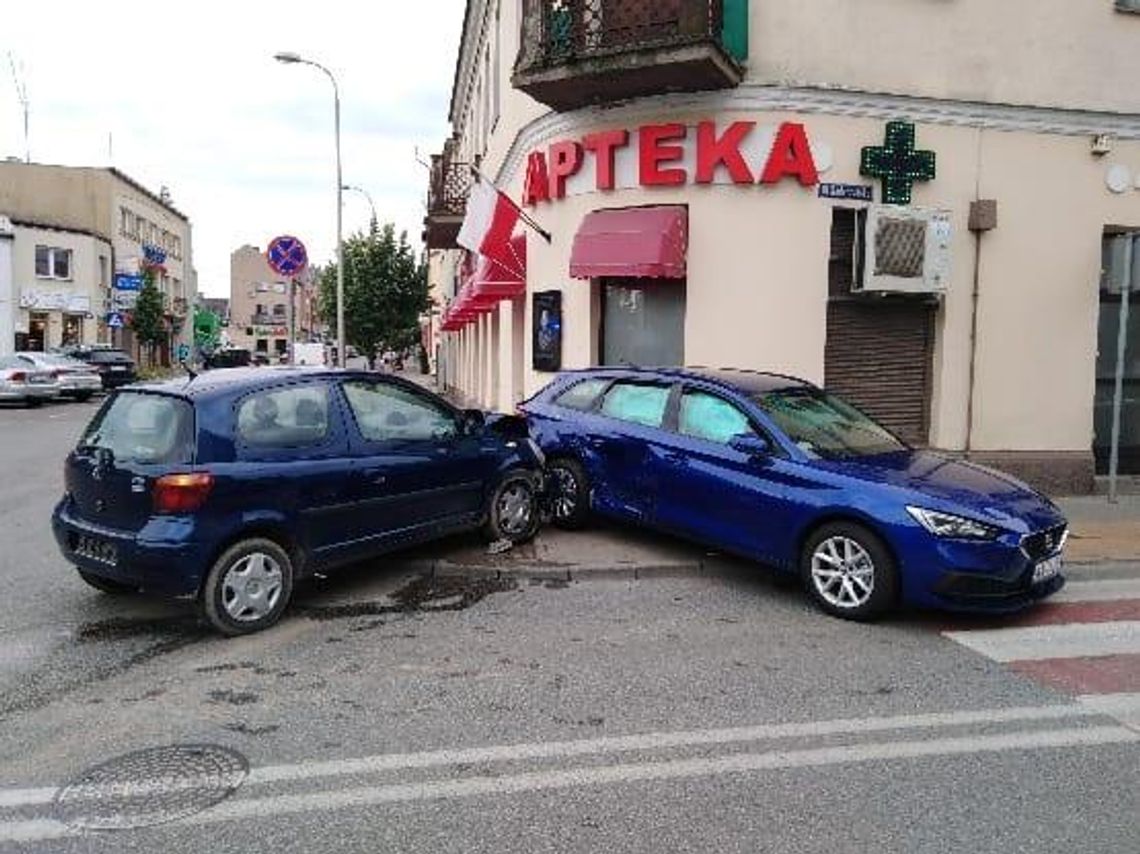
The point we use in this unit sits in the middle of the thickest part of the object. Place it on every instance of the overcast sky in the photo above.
(191, 98)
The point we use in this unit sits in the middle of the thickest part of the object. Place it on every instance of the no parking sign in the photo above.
(287, 256)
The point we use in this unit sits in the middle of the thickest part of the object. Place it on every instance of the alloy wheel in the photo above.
(252, 587)
(843, 572)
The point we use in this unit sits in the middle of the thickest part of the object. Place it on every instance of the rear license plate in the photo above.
(1047, 569)
(96, 549)
(118, 369)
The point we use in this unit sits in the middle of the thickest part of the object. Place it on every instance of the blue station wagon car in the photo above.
(775, 469)
(233, 485)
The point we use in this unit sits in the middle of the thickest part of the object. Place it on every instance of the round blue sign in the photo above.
(287, 256)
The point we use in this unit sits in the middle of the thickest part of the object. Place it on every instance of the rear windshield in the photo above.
(144, 428)
(108, 356)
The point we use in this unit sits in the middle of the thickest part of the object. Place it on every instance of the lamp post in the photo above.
(290, 58)
(366, 195)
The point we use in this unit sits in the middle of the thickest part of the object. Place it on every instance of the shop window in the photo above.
(72, 330)
(1120, 265)
(262, 345)
(643, 322)
(53, 263)
(37, 332)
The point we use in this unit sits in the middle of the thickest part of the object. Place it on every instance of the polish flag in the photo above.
(490, 221)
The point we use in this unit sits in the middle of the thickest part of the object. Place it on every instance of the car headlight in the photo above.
(955, 527)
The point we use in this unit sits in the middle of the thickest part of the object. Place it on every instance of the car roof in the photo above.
(231, 382)
(735, 379)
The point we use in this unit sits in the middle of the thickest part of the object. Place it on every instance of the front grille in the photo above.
(1043, 543)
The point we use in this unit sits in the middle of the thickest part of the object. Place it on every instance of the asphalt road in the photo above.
(689, 714)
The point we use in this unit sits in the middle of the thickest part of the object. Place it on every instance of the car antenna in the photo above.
(189, 370)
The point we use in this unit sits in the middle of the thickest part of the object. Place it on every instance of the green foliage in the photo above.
(385, 292)
(147, 317)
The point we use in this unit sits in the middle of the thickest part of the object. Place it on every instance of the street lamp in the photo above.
(364, 193)
(290, 58)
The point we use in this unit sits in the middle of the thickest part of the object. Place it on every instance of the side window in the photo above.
(639, 404)
(581, 395)
(386, 413)
(705, 416)
(285, 417)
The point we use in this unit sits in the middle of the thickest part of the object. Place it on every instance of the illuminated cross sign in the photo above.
(897, 163)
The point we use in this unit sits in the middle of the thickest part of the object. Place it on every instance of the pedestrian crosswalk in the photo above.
(1084, 642)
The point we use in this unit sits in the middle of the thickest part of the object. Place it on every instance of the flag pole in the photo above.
(523, 215)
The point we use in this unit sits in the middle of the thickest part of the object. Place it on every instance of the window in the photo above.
(124, 222)
(826, 426)
(285, 418)
(279, 311)
(496, 73)
(53, 263)
(639, 404)
(103, 270)
(581, 395)
(386, 413)
(705, 416)
(145, 428)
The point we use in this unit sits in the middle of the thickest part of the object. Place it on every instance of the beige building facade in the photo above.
(928, 207)
(140, 226)
(260, 318)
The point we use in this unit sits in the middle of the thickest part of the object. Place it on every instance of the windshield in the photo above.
(144, 428)
(824, 425)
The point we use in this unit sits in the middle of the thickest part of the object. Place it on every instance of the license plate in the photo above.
(118, 369)
(1047, 569)
(95, 549)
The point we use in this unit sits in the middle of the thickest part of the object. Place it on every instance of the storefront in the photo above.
(912, 267)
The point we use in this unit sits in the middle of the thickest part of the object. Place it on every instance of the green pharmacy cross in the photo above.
(897, 163)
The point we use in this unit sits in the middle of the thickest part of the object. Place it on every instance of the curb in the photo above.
(570, 574)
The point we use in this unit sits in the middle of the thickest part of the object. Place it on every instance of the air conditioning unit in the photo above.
(906, 250)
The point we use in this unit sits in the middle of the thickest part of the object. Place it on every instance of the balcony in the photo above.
(448, 188)
(577, 53)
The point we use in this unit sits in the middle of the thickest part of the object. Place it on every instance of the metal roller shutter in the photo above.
(878, 357)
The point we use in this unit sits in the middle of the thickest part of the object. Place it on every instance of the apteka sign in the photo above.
(671, 155)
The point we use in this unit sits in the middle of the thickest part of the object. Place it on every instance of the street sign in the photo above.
(287, 256)
(115, 320)
(124, 282)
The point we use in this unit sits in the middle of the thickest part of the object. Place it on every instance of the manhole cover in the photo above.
(151, 786)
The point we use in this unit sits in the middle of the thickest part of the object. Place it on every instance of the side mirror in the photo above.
(750, 445)
(473, 420)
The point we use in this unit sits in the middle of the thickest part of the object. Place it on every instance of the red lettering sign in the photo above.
(653, 154)
(537, 186)
(711, 152)
(791, 156)
(605, 145)
(565, 160)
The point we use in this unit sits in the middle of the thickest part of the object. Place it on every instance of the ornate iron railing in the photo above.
(557, 32)
(448, 187)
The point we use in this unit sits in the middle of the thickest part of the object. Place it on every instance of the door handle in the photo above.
(674, 459)
(375, 476)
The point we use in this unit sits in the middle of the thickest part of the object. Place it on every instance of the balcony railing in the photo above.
(448, 188)
(578, 52)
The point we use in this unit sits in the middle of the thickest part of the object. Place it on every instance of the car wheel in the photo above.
(105, 585)
(513, 512)
(569, 492)
(248, 587)
(849, 572)
(84, 396)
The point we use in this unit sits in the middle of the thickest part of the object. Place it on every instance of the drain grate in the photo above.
(151, 786)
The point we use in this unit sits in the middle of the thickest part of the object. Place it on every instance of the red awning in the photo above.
(642, 242)
(495, 280)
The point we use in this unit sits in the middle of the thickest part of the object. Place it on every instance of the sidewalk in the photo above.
(1102, 532)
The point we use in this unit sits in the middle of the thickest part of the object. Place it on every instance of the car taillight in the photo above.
(182, 493)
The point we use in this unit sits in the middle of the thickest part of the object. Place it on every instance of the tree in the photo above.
(385, 292)
(147, 316)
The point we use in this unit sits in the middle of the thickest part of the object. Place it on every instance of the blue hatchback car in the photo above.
(233, 485)
(775, 469)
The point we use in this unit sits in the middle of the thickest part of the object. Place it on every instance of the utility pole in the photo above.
(22, 95)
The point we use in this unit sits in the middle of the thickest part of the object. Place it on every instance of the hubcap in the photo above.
(515, 507)
(565, 492)
(252, 587)
(843, 572)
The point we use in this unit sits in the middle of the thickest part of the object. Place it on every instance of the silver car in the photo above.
(77, 379)
(26, 383)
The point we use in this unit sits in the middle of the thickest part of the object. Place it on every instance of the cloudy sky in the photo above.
(189, 96)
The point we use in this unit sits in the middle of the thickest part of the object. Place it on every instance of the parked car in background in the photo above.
(229, 357)
(775, 469)
(233, 485)
(115, 367)
(77, 379)
(24, 383)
